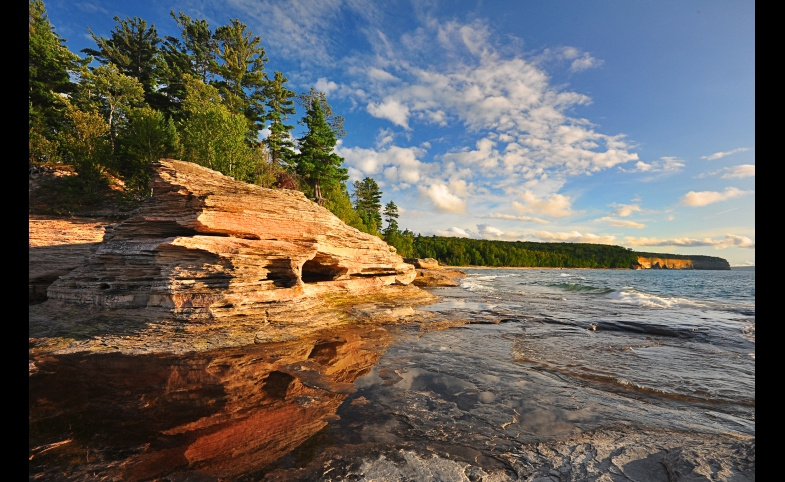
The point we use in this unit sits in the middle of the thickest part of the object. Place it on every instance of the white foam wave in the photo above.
(631, 296)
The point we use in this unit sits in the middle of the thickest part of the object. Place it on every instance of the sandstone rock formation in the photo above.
(692, 262)
(430, 274)
(56, 246)
(206, 250)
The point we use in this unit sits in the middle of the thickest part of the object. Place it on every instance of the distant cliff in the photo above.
(680, 261)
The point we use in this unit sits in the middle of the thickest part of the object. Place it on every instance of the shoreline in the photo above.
(535, 267)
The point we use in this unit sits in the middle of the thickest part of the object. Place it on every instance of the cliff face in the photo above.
(207, 259)
(697, 262)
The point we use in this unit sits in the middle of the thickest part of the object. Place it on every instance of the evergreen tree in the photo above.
(306, 99)
(133, 49)
(317, 163)
(194, 53)
(241, 68)
(368, 201)
(391, 216)
(49, 63)
(280, 106)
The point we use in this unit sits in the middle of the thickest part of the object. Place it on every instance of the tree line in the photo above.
(203, 96)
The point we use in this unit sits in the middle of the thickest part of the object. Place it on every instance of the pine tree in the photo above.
(391, 216)
(133, 49)
(317, 163)
(367, 201)
(49, 62)
(280, 106)
(194, 53)
(241, 69)
(306, 99)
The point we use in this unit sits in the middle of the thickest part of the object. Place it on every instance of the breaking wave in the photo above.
(631, 296)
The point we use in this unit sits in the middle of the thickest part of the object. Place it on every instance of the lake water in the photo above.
(553, 369)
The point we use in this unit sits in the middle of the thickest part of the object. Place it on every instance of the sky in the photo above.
(615, 122)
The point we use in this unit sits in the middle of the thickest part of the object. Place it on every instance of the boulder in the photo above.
(423, 263)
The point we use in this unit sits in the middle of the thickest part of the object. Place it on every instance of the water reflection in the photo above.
(216, 414)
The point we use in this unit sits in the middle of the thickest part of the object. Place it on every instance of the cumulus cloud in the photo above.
(443, 199)
(392, 110)
(326, 86)
(510, 217)
(575, 237)
(740, 171)
(586, 61)
(625, 210)
(555, 205)
(620, 223)
(398, 164)
(703, 198)
(720, 155)
(730, 240)
(665, 164)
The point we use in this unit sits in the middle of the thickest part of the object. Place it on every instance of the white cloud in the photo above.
(453, 232)
(443, 199)
(703, 198)
(665, 164)
(625, 210)
(620, 223)
(511, 217)
(720, 155)
(730, 240)
(740, 171)
(575, 237)
(326, 86)
(392, 110)
(584, 62)
(555, 205)
(398, 164)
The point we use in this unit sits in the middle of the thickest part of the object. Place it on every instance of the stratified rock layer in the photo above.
(693, 262)
(208, 262)
(207, 246)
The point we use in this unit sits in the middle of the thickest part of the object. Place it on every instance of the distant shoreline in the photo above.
(533, 267)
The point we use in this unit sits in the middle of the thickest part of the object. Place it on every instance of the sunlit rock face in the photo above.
(696, 262)
(205, 246)
(219, 414)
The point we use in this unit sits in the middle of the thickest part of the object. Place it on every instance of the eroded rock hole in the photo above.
(277, 384)
(320, 269)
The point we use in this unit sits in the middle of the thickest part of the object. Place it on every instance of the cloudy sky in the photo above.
(618, 122)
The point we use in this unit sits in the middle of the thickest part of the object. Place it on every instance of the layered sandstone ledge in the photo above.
(430, 274)
(694, 262)
(208, 262)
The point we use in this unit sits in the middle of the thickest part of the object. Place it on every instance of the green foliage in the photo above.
(368, 201)
(391, 217)
(213, 136)
(49, 62)
(339, 203)
(317, 163)
(107, 90)
(306, 100)
(280, 106)
(148, 137)
(192, 54)
(241, 69)
(85, 143)
(133, 49)
(477, 252)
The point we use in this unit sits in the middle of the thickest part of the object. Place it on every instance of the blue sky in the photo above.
(618, 122)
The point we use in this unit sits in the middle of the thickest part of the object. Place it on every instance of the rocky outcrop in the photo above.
(430, 274)
(686, 262)
(225, 255)
(56, 246)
